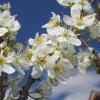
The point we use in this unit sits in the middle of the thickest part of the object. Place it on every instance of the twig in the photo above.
(3, 85)
(92, 1)
(24, 93)
(84, 43)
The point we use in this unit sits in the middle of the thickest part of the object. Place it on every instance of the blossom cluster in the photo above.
(59, 51)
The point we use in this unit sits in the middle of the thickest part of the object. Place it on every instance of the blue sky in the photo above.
(32, 14)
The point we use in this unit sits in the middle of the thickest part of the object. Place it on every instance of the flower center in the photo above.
(7, 49)
(41, 60)
(65, 35)
(59, 69)
(69, 4)
(39, 40)
(81, 2)
(2, 60)
(57, 47)
(28, 56)
(79, 20)
(54, 22)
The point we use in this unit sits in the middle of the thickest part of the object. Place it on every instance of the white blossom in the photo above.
(6, 63)
(23, 60)
(77, 8)
(63, 36)
(79, 21)
(62, 70)
(3, 31)
(70, 3)
(9, 22)
(53, 22)
(66, 3)
(84, 61)
(95, 31)
(45, 89)
(39, 39)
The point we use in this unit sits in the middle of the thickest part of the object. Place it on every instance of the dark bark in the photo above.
(25, 89)
(93, 1)
(94, 95)
(3, 85)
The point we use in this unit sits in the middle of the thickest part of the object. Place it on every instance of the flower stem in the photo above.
(25, 89)
(84, 43)
(3, 85)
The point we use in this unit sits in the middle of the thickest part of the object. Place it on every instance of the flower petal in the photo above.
(74, 41)
(44, 36)
(36, 72)
(8, 69)
(30, 41)
(68, 20)
(16, 27)
(3, 31)
(69, 70)
(6, 14)
(75, 10)
(65, 2)
(89, 20)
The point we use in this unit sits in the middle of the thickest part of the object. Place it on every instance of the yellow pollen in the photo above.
(39, 40)
(79, 20)
(81, 2)
(59, 69)
(7, 49)
(2, 60)
(66, 35)
(28, 56)
(57, 47)
(54, 22)
(69, 4)
(41, 60)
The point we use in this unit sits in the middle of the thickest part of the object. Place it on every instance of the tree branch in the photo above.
(3, 85)
(92, 1)
(94, 95)
(25, 89)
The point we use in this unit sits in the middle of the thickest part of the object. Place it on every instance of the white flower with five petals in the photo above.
(39, 40)
(79, 21)
(53, 22)
(77, 8)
